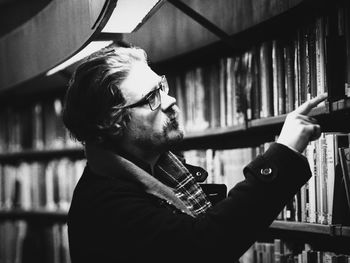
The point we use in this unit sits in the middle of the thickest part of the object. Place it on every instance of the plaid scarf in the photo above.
(171, 171)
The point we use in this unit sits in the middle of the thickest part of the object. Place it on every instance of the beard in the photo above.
(172, 132)
(163, 140)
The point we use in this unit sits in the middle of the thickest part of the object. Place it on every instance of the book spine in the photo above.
(330, 157)
(266, 80)
(229, 92)
(347, 44)
(222, 88)
(289, 77)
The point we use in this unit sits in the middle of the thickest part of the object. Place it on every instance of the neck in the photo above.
(148, 157)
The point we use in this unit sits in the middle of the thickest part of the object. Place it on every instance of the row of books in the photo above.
(223, 166)
(269, 79)
(22, 242)
(280, 251)
(34, 126)
(39, 185)
(324, 199)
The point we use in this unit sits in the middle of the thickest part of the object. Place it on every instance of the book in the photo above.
(311, 184)
(322, 183)
(347, 44)
(320, 56)
(266, 78)
(248, 86)
(335, 52)
(305, 87)
(26, 130)
(38, 126)
(241, 93)
(289, 75)
(54, 131)
(279, 95)
(180, 99)
(304, 197)
(330, 173)
(211, 79)
(223, 92)
(230, 90)
(312, 57)
(344, 157)
(341, 212)
(256, 87)
(297, 69)
(200, 120)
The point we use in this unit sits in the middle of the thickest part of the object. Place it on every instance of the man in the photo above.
(136, 201)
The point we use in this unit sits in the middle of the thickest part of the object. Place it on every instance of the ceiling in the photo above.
(16, 12)
(168, 33)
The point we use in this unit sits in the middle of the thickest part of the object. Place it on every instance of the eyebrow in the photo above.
(155, 87)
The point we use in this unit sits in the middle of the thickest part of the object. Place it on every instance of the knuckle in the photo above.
(307, 104)
(304, 129)
(299, 122)
(291, 116)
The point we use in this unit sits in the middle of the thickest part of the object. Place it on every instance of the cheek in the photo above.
(144, 122)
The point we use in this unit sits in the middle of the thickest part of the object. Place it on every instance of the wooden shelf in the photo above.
(262, 130)
(217, 138)
(61, 216)
(77, 152)
(279, 120)
(343, 104)
(329, 230)
(251, 134)
(215, 132)
(266, 122)
(36, 215)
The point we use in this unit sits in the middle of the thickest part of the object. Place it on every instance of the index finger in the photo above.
(307, 106)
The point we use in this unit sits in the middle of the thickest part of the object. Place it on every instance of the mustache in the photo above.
(172, 123)
(173, 119)
(172, 112)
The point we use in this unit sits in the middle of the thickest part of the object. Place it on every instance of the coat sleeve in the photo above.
(272, 180)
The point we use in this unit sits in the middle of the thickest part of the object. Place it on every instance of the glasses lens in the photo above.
(154, 100)
(164, 85)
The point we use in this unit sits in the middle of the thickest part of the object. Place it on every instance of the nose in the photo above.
(167, 101)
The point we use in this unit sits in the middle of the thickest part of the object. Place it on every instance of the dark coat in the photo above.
(112, 219)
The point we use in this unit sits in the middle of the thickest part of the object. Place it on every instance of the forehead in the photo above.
(140, 81)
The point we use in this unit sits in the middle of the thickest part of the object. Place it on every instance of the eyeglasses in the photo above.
(153, 98)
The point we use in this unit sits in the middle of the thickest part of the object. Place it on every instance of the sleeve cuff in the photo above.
(279, 164)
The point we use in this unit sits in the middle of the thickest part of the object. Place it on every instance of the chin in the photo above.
(175, 136)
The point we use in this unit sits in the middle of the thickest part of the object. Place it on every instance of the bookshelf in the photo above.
(328, 230)
(37, 155)
(248, 132)
(254, 131)
(34, 215)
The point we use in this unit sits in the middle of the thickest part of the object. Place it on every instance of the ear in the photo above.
(115, 130)
(117, 124)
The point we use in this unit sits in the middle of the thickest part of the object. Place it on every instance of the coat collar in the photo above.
(105, 162)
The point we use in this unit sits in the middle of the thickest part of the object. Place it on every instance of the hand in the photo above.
(299, 128)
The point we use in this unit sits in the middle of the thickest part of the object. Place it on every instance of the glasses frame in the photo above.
(162, 85)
